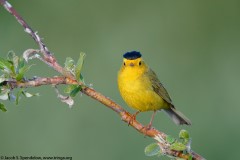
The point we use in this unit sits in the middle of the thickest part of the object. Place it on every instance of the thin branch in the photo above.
(35, 82)
(69, 79)
(27, 28)
(48, 57)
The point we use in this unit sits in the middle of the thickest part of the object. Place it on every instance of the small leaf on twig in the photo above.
(65, 99)
(13, 58)
(18, 96)
(69, 64)
(4, 94)
(170, 139)
(69, 88)
(30, 54)
(79, 65)
(190, 157)
(177, 146)
(183, 134)
(75, 91)
(2, 107)
(29, 95)
(152, 150)
(22, 71)
(6, 66)
(21, 63)
(81, 78)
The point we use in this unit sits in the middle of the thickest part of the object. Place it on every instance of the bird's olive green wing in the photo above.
(158, 87)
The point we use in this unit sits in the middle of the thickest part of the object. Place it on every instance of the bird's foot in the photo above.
(133, 118)
(146, 128)
(149, 126)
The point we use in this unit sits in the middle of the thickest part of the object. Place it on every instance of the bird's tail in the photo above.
(177, 116)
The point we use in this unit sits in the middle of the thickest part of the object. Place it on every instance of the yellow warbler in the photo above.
(141, 89)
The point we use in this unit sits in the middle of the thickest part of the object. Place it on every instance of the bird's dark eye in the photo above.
(140, 63)
(124, 63)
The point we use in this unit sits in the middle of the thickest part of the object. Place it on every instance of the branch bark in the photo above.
(68, 78)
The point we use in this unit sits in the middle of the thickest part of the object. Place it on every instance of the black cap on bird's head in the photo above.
(132, 55)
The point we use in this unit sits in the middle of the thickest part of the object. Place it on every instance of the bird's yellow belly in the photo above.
(141, 96)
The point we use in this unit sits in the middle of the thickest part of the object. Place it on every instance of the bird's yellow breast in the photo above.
(136, 89)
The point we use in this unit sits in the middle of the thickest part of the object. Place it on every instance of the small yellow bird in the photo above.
(141, 89)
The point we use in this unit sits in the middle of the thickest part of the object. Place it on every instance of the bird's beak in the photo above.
(131, 64)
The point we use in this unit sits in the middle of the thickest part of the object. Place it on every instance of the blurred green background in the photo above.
(193, 46)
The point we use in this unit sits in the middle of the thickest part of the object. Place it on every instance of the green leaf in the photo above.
(22, 71)
(177, 146)
(11, 55)
(2, 107)
(13, 58)
(29, 95)
(170, 139)
(21, 63)
(6, 66)
(69, 64)
(30, 54)
(152, 150)
(79, 66)
(183, 134)
(75, 91)
(4, 95)
(81, 78)
(69, 88)
(4, 63)
(190, 157)
(18, 96)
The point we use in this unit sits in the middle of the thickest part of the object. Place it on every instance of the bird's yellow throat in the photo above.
(132, 69)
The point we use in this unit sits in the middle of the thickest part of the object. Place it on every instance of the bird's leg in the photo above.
(149, 126)
(133, 117)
